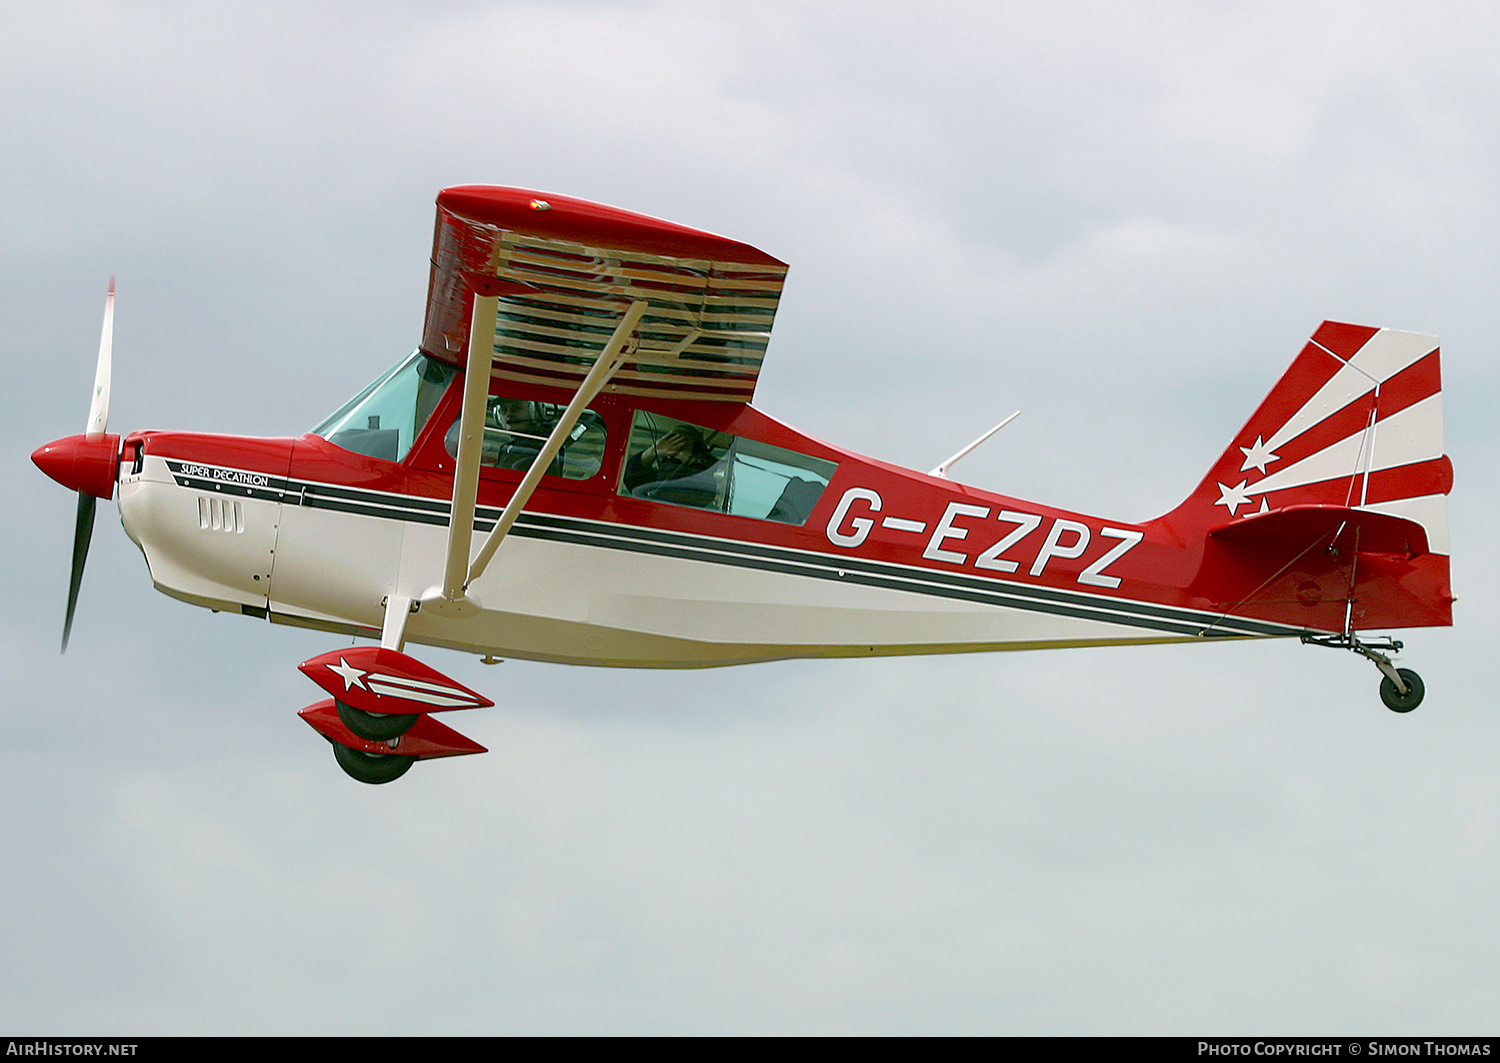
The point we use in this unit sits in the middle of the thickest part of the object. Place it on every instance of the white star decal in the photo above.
(349, 674)
(1232, 498)
(1257, 456)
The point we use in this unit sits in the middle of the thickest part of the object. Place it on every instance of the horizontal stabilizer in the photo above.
(1340, 527)
(380, 680)
(426, 740)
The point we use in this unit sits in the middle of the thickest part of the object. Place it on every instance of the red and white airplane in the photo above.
(569, 469)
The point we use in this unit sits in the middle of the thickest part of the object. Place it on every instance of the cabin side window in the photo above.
(516, 429)
(684, 464)
(383, 420)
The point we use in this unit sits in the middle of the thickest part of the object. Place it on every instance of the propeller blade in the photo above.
(99, 405)
(83, 527)
(83, 531)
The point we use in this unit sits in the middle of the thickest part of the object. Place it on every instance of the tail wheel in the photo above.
(1397, 701)
(374, 726)
(372, 768)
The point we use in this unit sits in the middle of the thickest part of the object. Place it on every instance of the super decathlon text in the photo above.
(52, 1048)
(234, 476)
(966, 524)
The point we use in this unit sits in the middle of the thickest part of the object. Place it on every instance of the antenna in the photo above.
(942, 470)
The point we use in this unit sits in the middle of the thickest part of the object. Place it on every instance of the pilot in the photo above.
(515, 431)
(521, 436)
(677, 455)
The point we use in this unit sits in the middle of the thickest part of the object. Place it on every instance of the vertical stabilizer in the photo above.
(1356, 421)
(1354, 425)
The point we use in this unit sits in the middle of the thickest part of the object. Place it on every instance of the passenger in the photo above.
(680, 453)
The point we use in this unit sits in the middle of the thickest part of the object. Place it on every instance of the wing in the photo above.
(566, 269)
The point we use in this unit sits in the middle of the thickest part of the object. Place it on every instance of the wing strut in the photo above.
(452, 598)
(609, 361)
(466, 464)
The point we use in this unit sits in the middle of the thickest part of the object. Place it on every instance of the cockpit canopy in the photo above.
(383, 420)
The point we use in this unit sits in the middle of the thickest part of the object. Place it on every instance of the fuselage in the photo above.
(884, 560)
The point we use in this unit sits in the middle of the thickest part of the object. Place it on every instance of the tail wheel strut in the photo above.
(1401, 689)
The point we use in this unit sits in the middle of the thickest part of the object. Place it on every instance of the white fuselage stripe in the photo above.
(788, 560)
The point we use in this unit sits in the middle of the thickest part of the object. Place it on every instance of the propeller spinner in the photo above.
(87, 463)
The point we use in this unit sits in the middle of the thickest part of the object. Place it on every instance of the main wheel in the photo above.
(1397, 701)
(372, 768)
(374, 726)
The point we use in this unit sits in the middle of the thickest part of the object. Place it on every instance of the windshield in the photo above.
(383, 420)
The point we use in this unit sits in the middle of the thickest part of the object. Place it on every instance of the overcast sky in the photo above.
(1123, 219)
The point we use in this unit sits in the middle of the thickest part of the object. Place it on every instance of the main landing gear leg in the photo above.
(1400, 688)
(379, 726)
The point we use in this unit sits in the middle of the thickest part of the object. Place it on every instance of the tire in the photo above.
(1397, 701)
(372, 768)
(374, 727)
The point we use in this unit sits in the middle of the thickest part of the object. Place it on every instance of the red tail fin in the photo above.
(1355, 424)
